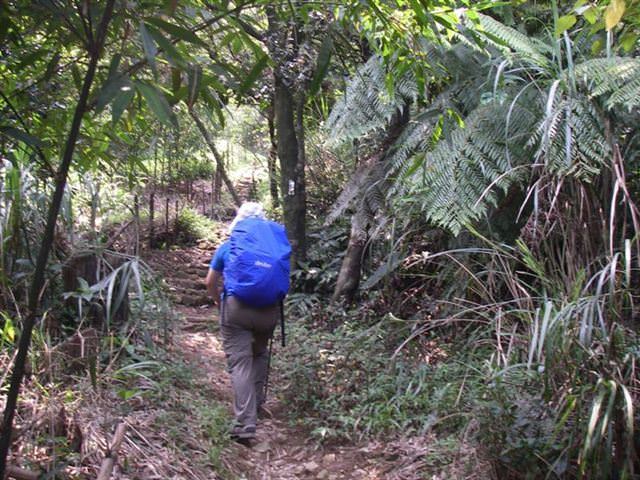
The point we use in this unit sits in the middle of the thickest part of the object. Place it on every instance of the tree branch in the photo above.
(217, 156)
(37, 149)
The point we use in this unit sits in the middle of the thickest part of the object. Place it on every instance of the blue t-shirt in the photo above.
(221, 257)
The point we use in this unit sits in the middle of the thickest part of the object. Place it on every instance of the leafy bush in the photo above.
(192, 226)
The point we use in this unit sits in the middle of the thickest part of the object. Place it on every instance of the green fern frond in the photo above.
(367, 104)
(462, 174)
(515, 42)
(616, 79)
(570, 139)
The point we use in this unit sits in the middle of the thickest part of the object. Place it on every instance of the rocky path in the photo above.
(281, 451)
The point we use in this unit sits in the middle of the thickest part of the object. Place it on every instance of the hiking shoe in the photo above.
(240, 432)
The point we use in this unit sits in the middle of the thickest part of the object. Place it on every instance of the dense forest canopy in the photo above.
(458, 181)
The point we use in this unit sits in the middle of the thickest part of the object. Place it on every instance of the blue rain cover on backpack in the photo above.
(257, 271)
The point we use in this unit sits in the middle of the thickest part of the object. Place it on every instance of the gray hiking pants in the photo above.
(245, 336)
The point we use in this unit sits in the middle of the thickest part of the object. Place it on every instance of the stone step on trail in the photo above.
(190, 283)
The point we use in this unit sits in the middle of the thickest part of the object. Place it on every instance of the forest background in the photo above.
(458, 180)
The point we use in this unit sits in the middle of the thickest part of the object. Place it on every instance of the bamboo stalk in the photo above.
(95, 45)
(112, 453)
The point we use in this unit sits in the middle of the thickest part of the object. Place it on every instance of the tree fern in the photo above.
(354, 188)
(617, 80)
(367, 103)
(512, 42)
(460, 176)
(570, 140)
(518, 113)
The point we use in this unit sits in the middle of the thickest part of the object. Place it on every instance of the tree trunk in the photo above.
(217, 156)
(288, 109)
(95, 46)
(273, 156)
(166, 215)
(217, 187)
(136, 219)
(350, 270)
(152, 211)
(292, 181)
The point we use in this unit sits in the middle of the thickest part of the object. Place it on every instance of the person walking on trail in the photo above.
(248, 278)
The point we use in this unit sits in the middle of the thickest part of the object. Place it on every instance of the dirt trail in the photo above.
(280, 451)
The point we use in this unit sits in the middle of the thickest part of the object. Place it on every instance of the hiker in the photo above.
(248, 278)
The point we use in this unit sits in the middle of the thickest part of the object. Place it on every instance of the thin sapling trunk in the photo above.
(37, 283)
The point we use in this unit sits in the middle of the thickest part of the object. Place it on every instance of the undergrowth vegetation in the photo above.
(535, 362)
(191, 226)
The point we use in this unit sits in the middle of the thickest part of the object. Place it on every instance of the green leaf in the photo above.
(252, 44)
(565, 23)
(194, 81)
(628, 41)
(236, 45)
(110, 89)
(176, 31)
(113, 66)
(125, 394)
(322, 66)
(597, 46)
(150, 49)
(419, 11)
(8, 333)
(120, 103)
(613, 14)
(253, 74)
(172, 54)
(21, 136)
(77, 77)
(591, 15)
(157, 103)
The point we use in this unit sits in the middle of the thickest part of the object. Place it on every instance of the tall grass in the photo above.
(560, 309)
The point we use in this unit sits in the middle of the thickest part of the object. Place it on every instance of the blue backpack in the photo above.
(257, 271)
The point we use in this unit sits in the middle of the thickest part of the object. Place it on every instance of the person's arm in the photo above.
(214, 284)
(214, 281)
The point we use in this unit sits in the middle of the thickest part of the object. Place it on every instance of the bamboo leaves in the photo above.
(21, 136)
(322, 65)
(120, 103)
(177, 31)
(149, 46)
(253, 75)
(157, 102)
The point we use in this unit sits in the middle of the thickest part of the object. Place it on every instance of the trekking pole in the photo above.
(266, 380)
(282, 320)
